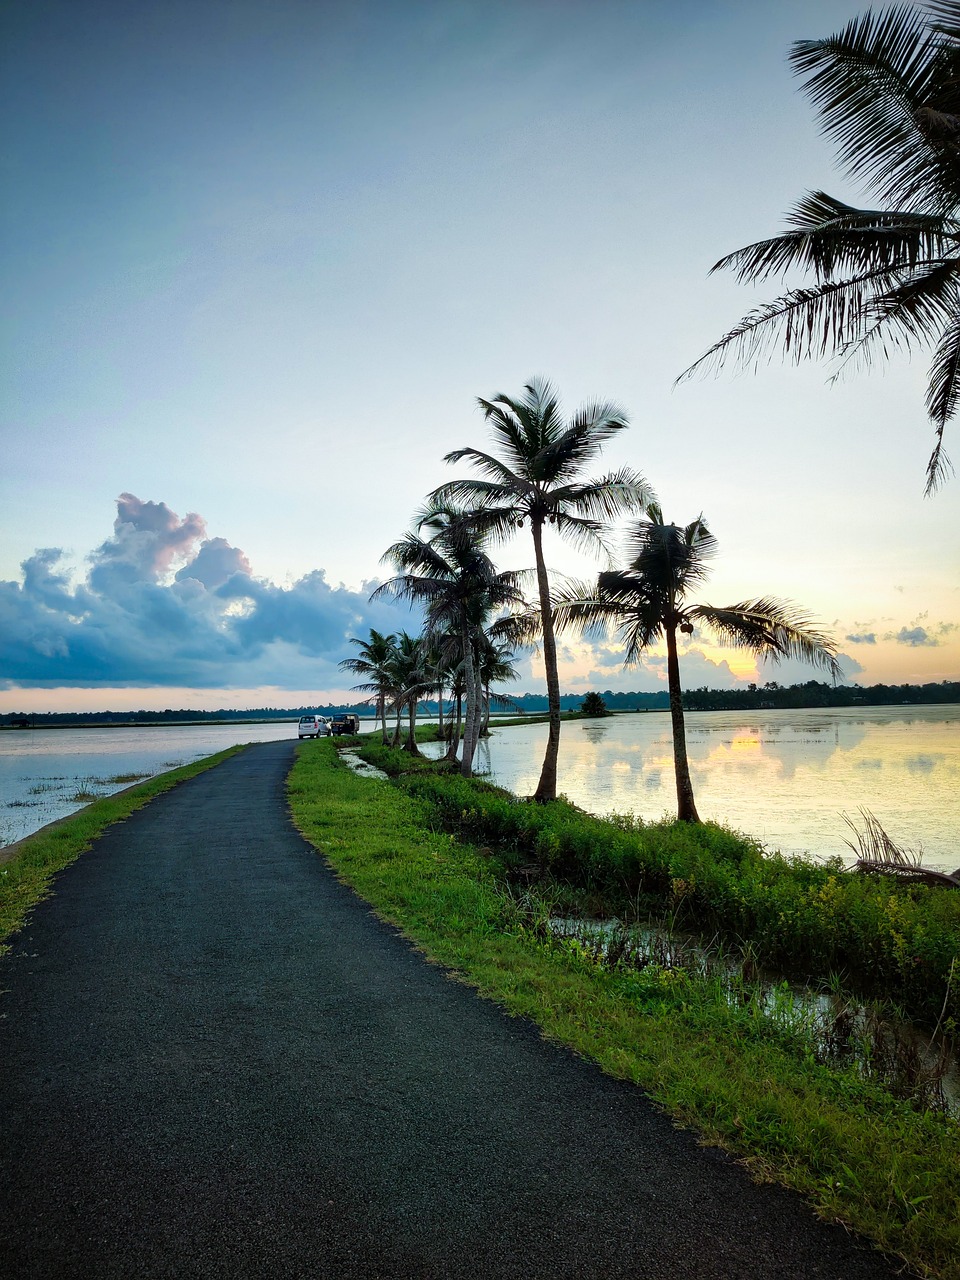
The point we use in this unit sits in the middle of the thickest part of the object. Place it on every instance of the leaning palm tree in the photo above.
(453, 577)
(647, 601)
(888, 91)
(537, 476)
(374, 662)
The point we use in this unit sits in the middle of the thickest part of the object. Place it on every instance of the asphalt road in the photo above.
(215, 1061)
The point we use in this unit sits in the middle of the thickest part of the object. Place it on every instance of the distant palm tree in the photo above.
(494, 666)
(646, 601)
(538, 477)
(374, 662)
(888, 90)
(453, 577)
(409, 681)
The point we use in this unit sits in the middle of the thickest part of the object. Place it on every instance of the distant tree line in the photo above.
(752, 697)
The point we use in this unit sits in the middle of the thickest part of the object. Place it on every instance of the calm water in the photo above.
(42, 770)
(782, 776)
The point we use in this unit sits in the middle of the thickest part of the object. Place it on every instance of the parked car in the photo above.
(313, 727)
(345, 724)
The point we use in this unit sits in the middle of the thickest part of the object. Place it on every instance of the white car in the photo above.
(313, 727)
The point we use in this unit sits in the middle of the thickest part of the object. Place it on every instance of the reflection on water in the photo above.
(782, 776)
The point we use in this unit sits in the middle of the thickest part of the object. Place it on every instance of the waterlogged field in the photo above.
(47, 774)
(782, 776)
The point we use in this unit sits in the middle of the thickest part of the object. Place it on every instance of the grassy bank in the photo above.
(25, 878)
(813, 920)
(859, 1156)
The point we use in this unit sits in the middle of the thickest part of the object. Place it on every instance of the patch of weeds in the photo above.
(124, 779)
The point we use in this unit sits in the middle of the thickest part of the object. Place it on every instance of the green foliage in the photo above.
(594, 705)
(807, 918)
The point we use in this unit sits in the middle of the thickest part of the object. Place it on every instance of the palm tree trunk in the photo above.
(547, 786)
(382, 716)
(686, 809)
(472, 727)
(411, 742)
(455, 729)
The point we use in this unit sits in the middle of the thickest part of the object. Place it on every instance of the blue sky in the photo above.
(259, 260)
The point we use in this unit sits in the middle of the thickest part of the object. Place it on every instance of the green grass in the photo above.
(858, 1156)
(26, 877)
(810, 919)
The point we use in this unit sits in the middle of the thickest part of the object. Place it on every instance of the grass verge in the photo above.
(856, 1154)
(25, 879)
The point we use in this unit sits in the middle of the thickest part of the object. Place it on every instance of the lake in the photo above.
(782, 776)
(43, 770)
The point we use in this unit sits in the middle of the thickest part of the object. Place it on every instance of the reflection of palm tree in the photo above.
(373, 662)
(451, 574)
(888, 90)
(537, 477)
(647, 601)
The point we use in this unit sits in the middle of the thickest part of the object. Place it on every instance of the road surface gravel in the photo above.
(216, 1062)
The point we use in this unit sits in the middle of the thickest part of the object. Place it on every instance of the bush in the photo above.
(808, 918)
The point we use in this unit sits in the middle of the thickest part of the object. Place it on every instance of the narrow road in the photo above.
(216, 1062)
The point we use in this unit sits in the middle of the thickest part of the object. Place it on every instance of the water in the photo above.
(782, 776)
(47, 774)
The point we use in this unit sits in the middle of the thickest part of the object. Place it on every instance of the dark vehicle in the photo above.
(345, 724)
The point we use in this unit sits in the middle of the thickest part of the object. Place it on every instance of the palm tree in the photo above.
(452, 575)
(646, 601)
(888, 91)
(409, 680)
(537, 477)
(494, 666)
(374, 662)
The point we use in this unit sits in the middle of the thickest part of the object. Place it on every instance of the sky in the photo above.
(260, 258)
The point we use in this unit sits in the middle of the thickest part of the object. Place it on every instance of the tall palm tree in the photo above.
(646, 601)
(887, 88)
(536, 476)
(374, 662)
(452, 575)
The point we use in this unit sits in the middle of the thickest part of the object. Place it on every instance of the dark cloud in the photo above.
(867, 637)
(134, 621)
(915, 637)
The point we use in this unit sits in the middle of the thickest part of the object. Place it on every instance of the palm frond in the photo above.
(870, 84)
(606, 497)
(771, 628)
(830, 236)
(943, 394)
(497, 472)
(819, 321)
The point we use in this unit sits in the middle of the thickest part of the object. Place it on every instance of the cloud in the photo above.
(915, 637)
(868, 637)
(162, 604)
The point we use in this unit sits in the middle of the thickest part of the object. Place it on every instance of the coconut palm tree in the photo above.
(536, 476)
(452, 575)
(374, 662)
(887, 88)
(647, 601)
(494, 666)
(409, 678)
